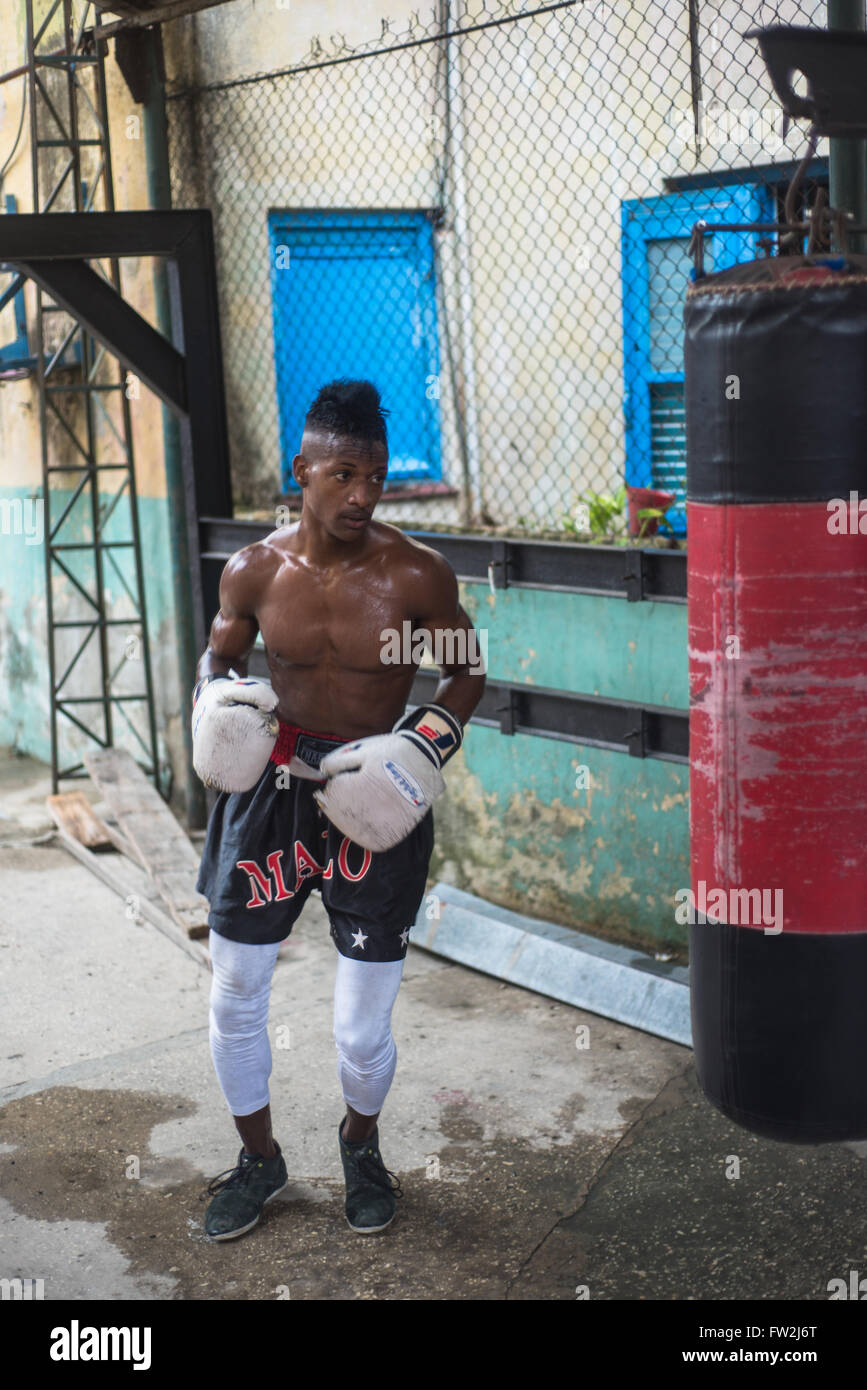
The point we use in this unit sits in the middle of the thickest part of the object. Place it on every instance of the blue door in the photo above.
(353, 295)
(656, 267)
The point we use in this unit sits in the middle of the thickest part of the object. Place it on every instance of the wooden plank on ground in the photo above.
(72, 812)
(146, 821)
(116, 835)
(133, 886)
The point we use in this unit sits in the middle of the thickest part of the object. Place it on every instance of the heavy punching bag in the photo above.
(776, 418)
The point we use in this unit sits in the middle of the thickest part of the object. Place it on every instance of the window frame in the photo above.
(287, 225)
(665, 217)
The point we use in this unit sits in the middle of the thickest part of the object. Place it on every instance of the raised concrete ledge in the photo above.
(614, 981)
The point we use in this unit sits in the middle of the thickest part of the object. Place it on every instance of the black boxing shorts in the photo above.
(267, 848)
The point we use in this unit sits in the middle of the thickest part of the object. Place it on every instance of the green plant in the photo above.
(647, 514)
(602, 514)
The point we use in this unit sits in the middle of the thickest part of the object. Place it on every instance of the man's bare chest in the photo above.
(345, 620)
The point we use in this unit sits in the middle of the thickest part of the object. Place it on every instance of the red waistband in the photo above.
(287, 738)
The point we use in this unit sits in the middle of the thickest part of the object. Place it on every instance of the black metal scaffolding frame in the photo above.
(186, 374)
(70, 159)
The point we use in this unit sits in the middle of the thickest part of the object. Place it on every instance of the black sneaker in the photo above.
(242, 1192)
(371, 1190)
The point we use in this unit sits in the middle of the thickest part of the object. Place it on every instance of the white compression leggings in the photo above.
(364, 995)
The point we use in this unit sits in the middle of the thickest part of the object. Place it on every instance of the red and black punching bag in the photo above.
(776, 417)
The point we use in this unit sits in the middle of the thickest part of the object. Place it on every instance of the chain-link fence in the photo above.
(488, 215)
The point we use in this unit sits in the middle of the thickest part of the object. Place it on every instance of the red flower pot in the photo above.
(640, 497)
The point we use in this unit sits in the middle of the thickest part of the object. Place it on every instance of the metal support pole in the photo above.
(39, 349)
(456, 82)
(848, 158)
(159, 196)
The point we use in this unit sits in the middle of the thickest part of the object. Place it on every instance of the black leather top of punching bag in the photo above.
(782, 437)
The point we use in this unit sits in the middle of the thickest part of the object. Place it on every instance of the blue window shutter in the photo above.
(655, 235)
(356, 298)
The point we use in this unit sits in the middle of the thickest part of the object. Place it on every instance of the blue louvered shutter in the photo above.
(656, 267)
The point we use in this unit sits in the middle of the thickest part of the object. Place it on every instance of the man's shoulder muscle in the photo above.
(416, 560)
(247, 574)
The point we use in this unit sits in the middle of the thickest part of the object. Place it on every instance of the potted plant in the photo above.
(647, 507)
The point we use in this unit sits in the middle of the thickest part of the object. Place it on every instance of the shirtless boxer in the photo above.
(359, 827)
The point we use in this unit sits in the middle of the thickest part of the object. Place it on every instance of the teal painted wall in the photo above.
(598, 646)
(516, 828)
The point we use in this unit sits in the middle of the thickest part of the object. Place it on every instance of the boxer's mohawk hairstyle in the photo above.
(350, 408)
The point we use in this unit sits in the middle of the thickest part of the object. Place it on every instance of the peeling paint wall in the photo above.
(517, 825)
(24, 676)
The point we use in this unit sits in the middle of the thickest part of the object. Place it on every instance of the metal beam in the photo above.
(630, 572)
(186, 240)
(196, 330)
(139, 53)
(642, 731)
(70, 236)
(108, 317)
(175, 9)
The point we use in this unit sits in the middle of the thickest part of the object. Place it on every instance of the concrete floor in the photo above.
(532, 1169)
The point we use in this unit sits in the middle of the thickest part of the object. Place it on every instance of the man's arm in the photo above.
(453, 635)
(380, 788)
(234, 727)
(234, 629)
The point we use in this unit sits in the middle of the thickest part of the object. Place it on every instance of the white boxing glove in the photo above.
(234, 732)
(379, 788)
